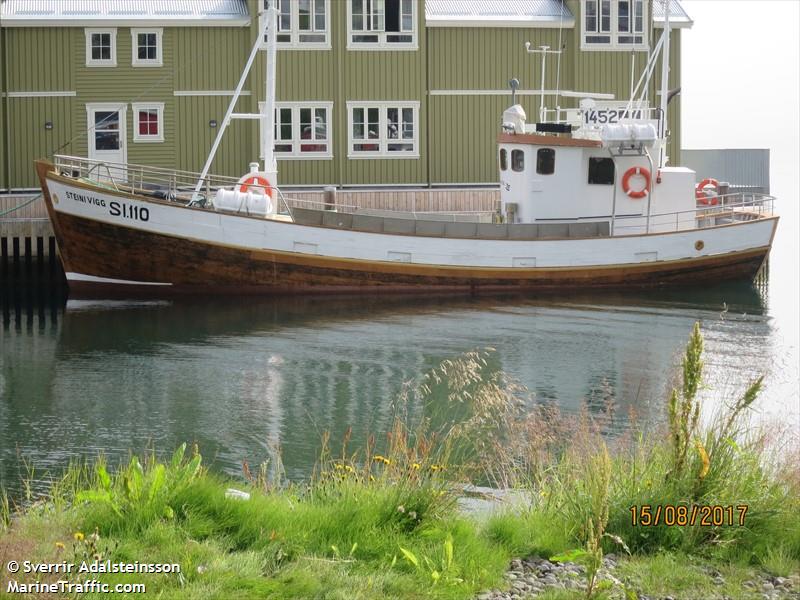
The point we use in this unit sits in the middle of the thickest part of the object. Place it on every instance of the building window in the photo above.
(389, 24)
(614, 25)
(503, 159)
(302, 130)
(302, 24)
(146, 48)
(148, 122)
(383, 129)
(545, 161)
(101, 47)
(517, 161)
(601, 170)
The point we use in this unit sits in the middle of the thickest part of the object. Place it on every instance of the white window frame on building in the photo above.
(317, 36)
(380, 146)
(101, 62)
(613, 30)
(158, 61)
(158, 108)
(292, 148)
(372, 34)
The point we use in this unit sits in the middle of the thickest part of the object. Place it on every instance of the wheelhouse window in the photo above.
(503, 159)
(601, 170)
(148, 122)
(147, 48)
(545, 161)
(389, 24)
(101, 47)
(302, 130)
(517, 161)
(613, 25)
(383, 129)
(302, 24)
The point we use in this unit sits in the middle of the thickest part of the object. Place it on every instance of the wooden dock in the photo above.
(28, 250)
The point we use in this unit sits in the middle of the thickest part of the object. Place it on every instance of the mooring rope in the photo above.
(23, 205)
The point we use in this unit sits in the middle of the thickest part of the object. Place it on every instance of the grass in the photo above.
(381, 521)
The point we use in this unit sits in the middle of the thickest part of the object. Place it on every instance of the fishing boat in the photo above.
(588, 199)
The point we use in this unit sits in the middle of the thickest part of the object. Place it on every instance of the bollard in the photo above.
(329, 195)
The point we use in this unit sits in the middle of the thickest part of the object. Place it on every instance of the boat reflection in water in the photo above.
(243, 378)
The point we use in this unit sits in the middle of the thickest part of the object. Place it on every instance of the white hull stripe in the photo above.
(81, 277)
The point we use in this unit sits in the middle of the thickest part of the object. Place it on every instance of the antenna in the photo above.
(544, 51)
(514, 85)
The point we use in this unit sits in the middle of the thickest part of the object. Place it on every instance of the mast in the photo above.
(268, 110)
(267, 114)
(664, 85)
(544, 51)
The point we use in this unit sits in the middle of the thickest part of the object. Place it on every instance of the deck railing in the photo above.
(730, 208)
(169, 184)
(178, 186)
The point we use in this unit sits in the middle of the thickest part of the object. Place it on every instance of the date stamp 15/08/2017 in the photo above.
(682, 515)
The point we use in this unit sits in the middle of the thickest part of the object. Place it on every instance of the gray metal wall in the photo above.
(747, 168)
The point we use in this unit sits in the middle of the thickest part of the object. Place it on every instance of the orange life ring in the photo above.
(261, 184)
(700, 195)
(626, 179)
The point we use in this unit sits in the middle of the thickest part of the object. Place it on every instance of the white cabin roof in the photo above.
(497, 13)
(83, 13)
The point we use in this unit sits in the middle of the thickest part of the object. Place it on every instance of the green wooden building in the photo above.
(370, 92)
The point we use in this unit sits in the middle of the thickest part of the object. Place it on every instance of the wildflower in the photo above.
(703, 458)
(437, 468)
(372, 477)
(78, 536)
(60, 545)
(413, 514)
(415, 466)
(401, 509)
(349, 469)
(338, 467)
(382, 459)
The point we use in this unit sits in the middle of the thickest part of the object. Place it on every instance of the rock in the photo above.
(236, 494)
(486, 596)
(511, 576)
(766, 585)
(719, 580)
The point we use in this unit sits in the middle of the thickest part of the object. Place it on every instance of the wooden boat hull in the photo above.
(103, 257)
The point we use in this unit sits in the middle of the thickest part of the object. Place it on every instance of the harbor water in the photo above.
(251, 379)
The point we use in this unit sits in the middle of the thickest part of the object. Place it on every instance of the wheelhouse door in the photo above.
(107, 140)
